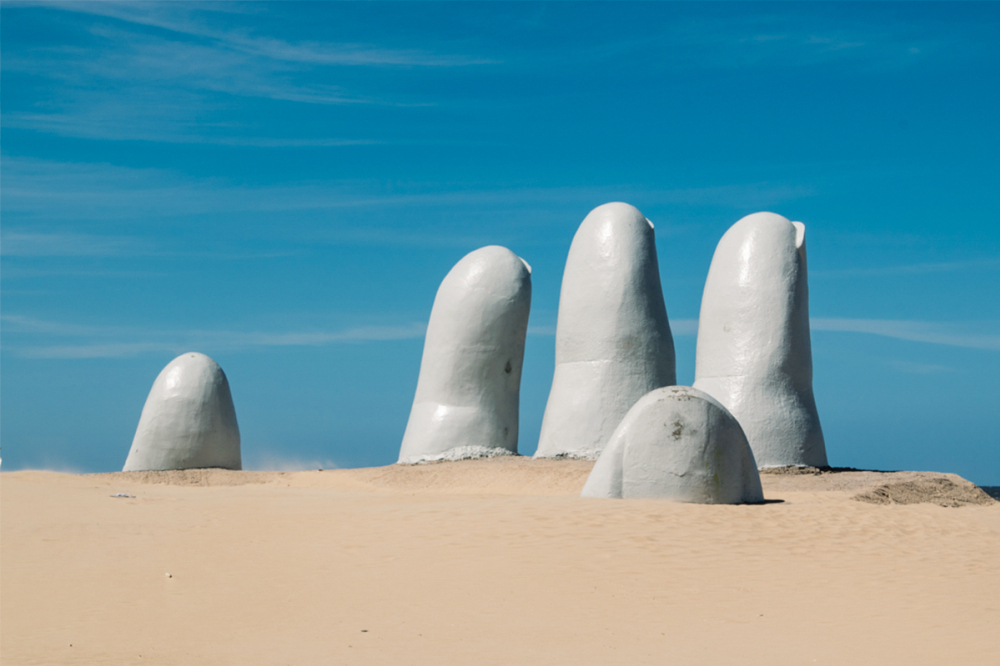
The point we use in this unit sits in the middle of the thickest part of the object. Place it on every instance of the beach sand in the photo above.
(492, 562)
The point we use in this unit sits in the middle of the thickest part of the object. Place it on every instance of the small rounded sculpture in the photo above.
(188, 420)
(754, 352)
(613, 341)
(466, 403)
(677, 443)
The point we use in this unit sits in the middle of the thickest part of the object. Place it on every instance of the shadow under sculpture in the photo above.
(613, 340)
(754, 352)
(677, 443)
(466, 403)
(188, 420)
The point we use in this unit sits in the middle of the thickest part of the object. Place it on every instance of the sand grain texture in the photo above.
(487, 562)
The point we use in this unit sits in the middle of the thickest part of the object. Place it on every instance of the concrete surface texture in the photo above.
(188, 420)
(613, 341)
(466, 403)
(754, 353)
(680, 444)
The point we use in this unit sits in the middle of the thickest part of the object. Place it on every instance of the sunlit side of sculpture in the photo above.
(188, 420)
(613, 341)
(754, 351)
(677, 443)
(466, 402)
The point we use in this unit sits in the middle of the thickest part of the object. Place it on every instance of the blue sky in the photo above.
(283, 187)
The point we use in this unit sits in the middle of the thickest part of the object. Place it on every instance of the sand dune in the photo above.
(492, 562)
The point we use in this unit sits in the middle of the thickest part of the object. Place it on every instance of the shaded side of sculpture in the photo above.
(467, 398)
(754, 352)
(188, 421)
(680, 444)
(613, 340)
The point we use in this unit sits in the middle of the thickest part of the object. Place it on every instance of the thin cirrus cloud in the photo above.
(104, 116)
(156, 53)
(915, 331)
(163, 101)
(123, 342)
(739, 41)
(159, 75)
(913, 368)
(180, 20)
(161, 72)
(53, 191)
(120, 342)
(168, 64)
(24, 244)
(726, 41)
(986, 263)
(24, 324)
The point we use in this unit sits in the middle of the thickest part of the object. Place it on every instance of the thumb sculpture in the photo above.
(677, 443)
(754, 352)
(613, 341)
(466, 403)
(188, 420)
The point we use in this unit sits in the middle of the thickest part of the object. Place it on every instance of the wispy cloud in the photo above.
(282, 143)
(14, 243)
(109, 350)
(166, 72)
(22, 244)
(805, 37)
(913, 368)
(160, 72)
(987, 263)
(313, 338)
(38, 189)
(124, 342)
(354, 54)
(118, 341)
(156, 124)
(23, 324)
(953, 335)
(181, 20)
(793, 37)
(730, 39)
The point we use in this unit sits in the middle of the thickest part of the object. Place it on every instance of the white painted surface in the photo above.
(613, 341)
(466, 403)
(677, 443)
(754, 351)
(188, 420)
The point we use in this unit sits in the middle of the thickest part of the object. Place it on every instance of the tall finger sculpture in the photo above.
(466, 403)
(754, 351)
(613, 341)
